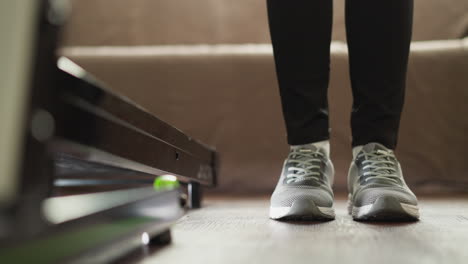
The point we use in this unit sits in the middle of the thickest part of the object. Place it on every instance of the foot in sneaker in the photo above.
(377, 190)
(304, 189)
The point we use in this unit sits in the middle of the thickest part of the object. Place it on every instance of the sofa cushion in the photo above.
(227, 96)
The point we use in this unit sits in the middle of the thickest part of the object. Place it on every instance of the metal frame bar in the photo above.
(118, 223)
(93, 121)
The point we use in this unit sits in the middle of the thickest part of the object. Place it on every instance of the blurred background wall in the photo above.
(206, 67)
(161, 22)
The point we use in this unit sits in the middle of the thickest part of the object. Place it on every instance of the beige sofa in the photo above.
(207, 68)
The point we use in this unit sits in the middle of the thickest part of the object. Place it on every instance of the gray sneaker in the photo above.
(377, 190)
(304, 189)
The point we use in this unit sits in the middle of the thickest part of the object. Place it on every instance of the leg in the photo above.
(301, 33)
(379, 35)
(194, 195)
(163, 238)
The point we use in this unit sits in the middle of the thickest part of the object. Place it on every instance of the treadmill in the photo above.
(86, 175)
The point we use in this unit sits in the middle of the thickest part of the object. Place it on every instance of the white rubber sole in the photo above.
(359, 212)
(386, 208)
(295, 212)
(280, 212)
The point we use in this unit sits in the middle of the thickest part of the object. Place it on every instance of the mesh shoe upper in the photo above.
(376, 173)
(307, 174)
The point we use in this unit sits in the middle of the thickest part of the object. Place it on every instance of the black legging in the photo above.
(378, 35)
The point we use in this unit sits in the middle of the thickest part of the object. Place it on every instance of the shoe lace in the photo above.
(305, 165)
(381, 165)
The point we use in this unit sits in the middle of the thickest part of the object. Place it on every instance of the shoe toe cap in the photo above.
(285, 197)
(369, 196)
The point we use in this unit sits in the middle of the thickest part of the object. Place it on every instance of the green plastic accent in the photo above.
(165, 182)
(60, 246)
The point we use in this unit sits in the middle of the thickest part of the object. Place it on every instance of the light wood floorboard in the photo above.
(239, 231)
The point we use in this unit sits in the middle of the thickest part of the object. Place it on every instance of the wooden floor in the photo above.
(239, 231)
